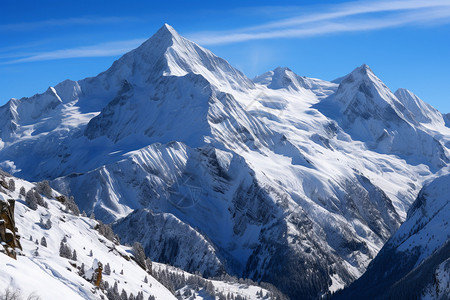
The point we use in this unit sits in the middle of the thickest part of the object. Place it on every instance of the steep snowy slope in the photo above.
(263, 175)
(426, 117)
(416, 258)
(41, 271)
(447, 120)
(420, 112)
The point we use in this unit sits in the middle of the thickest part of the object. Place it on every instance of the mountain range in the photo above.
(285, 179)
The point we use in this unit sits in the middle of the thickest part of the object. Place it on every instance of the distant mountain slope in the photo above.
(168, 240)
(366, 108)
(264, 175)
(416, 258)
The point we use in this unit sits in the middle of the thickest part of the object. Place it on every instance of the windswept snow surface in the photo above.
(287, 178)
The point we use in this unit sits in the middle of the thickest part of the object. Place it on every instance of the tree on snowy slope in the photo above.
(139, 255)
(31, 200)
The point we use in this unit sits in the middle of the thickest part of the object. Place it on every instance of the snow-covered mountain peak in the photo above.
(364, 91)
(279, 78)
(167, 53)
(420, 111)
(367, 109)
(165, 37)
(167, 30)
(285, 78)
(364, 68)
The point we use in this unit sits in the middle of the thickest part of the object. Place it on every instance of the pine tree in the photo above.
(12, 185)
(74, 255)
(82, 271)
(44, 188)
(145, 279)
(210, 288)
(22, 191)
(140, 296)
(139, 254)
(64, 250)
(39, 198)
(113, 292)
(123, 295)
(48, 225)
(72, 207)
(31, 200)
(43, 242)
(107, 270)
(148, 263)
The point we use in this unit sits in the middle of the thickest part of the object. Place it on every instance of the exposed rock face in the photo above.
(9, 239)
(167, 239)
(414, 262)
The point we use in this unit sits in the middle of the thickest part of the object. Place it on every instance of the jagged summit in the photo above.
(361, 88)
(367, 109)
(285, 78)
(364, 68)
(279, 78)
(165, 37)
(167, 29)
(167, 53)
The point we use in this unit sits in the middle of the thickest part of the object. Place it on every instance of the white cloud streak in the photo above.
(92, 20)
(99, 50)
(347, 17)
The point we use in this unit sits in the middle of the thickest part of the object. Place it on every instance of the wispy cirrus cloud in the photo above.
(99, 50)
(87, 20)
(346, 17)
(331, 19)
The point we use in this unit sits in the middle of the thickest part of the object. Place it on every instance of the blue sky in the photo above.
(406, 43)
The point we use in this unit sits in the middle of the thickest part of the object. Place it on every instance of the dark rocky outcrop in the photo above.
(9, 238)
